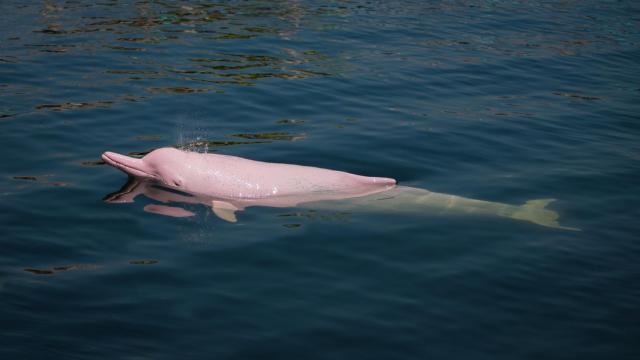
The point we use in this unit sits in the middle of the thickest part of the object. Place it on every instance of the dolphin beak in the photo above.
(131, 166)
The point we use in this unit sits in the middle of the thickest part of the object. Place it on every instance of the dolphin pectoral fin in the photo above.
(168, 210)
(535, 211)
(225, 214)
(224, 210)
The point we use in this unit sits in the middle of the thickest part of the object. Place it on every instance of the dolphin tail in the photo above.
(535, 211)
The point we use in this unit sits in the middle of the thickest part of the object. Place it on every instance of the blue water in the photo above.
(504, 101)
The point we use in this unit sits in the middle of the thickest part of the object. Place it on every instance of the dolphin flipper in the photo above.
(224, 210)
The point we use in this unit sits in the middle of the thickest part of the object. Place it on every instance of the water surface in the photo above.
(504, 101)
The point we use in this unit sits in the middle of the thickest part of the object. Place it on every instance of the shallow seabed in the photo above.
(504, 101)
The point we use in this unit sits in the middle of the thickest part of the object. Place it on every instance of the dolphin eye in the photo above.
(177, 182)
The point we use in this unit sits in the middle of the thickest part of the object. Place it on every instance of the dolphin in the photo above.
(229, 184)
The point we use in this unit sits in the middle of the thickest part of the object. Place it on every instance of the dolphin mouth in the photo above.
(131, 166)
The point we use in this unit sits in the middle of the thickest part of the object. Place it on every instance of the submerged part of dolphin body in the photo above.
(410, 200)
(229, 184)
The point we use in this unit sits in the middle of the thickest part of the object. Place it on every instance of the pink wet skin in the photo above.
(248, 182)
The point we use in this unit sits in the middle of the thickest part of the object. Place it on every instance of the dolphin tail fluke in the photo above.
(535, 211)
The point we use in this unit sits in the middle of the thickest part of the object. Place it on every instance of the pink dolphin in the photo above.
(233, 183)
(230, 183)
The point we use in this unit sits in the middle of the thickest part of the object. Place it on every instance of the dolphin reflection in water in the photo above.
(229, 184)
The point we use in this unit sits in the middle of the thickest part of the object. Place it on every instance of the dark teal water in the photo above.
(504, 101)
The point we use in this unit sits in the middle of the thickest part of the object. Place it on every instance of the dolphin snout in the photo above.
(131, 166)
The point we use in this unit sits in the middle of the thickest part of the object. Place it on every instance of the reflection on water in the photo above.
(138, 45)
(241, 43)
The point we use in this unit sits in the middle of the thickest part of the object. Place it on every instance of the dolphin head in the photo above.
(164, 165)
